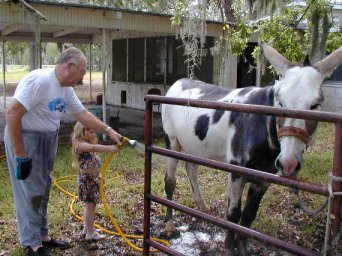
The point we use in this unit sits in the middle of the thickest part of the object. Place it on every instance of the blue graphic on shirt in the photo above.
(58, 104)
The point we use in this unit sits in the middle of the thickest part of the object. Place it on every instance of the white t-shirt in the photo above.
(45, 100)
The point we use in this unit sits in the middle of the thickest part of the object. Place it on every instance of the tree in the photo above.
(272, 22)
(15, 52)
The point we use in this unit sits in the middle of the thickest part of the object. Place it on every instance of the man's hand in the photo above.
(114, 135)
(24, 166)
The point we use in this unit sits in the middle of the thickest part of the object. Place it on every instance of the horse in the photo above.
(266, 143)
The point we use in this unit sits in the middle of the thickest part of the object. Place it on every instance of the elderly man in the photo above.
(33, 119)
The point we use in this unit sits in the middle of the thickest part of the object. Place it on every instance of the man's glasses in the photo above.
(82, 71)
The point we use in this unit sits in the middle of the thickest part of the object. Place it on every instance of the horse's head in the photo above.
(298, 88)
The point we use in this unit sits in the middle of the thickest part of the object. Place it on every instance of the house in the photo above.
(142, 54)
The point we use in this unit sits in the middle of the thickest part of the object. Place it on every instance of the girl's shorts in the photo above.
(89, 187)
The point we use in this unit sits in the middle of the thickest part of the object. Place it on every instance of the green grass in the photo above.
(6, 197)
(14, 76)
(318, 159)
(124, 194)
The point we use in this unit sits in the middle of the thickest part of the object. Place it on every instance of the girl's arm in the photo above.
(88, 147)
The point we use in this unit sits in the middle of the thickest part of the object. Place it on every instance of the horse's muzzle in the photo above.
(288, 167)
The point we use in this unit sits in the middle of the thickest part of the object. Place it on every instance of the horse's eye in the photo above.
(315, 106)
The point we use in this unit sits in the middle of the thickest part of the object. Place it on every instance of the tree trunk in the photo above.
(318, 41)
(228, 11)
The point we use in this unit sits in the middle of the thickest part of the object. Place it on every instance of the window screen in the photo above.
(119, 60)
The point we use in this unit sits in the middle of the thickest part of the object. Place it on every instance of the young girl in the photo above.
(85, 158)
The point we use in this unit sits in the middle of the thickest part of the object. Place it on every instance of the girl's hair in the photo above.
(76, 137)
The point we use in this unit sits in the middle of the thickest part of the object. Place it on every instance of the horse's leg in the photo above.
(256, 192)
(170, 184)
(235, 188)
(191, 170)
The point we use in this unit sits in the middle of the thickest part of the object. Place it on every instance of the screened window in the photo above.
(136, 60)
(205, 71)
(119, 60)
(155, 60)
(165, 60)
(176, 60)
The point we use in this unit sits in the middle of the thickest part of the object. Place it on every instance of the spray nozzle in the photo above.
(133, 143)
(126, 141)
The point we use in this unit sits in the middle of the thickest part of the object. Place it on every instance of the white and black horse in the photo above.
(261, 142)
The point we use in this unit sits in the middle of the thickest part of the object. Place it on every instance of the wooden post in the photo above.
(104, 69)
(90, 73)
(38, 44)
(4, 72)
(145, 59)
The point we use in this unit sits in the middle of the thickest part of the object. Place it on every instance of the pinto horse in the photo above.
(261, 142)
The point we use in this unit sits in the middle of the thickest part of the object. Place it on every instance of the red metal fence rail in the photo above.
(336, 185)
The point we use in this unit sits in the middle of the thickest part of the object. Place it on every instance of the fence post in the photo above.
(147, 174)
(335, 213)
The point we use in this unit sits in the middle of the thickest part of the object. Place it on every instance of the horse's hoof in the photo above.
(170, 235)
(170, 232)
(169, 227)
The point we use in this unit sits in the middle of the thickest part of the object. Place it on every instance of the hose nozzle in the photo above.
(133, 143)
(126, 141)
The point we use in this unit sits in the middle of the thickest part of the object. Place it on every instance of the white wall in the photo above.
(135, 93)
(332, 97)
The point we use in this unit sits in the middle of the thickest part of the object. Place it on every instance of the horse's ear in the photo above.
(328, 64)
(278, 61)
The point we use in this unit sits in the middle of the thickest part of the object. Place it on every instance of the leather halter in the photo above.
(295, 132)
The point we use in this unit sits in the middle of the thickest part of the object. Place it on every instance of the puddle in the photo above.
(190, 242)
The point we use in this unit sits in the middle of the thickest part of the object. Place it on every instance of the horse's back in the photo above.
(199, 131)
(195, 89)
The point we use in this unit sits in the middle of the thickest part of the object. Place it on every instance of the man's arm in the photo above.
(14, 115)
(92, 122)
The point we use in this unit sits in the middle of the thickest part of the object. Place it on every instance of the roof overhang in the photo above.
(76, 23)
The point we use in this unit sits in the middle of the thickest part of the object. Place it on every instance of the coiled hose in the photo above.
(127, 238)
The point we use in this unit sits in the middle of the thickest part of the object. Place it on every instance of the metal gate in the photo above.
(334, 192)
